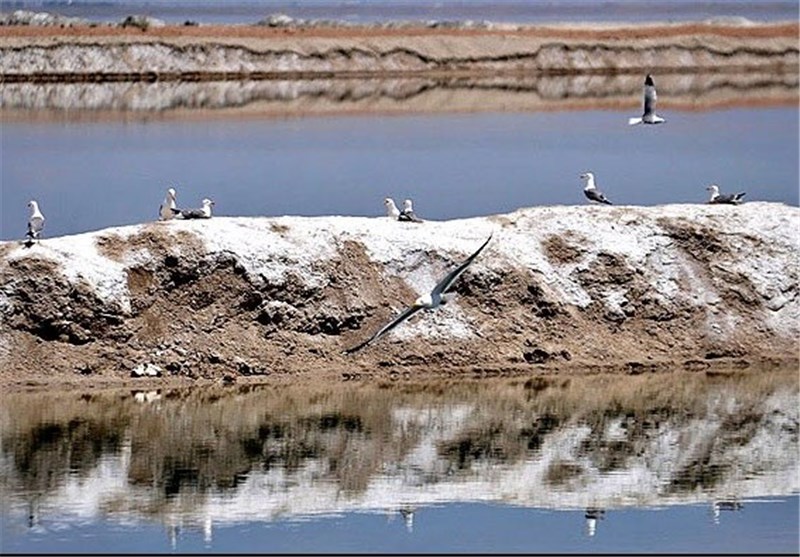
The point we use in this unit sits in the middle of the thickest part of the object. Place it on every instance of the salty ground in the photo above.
(630, 289)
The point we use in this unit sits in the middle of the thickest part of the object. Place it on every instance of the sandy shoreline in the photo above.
(316, 374)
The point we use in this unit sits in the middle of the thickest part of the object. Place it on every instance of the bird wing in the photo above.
(409, 216)
(650, 99)
(192, 214)
(596, 195)
(451, 277)
(35, 224)
(386, 328)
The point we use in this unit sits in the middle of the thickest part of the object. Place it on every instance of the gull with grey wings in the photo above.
(724, 198)
(433, 300)
(649, 115)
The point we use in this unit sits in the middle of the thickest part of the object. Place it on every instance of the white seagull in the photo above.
(204, 213)
(649, 116)
(433, 300)
(407, 214)
(35, 222)
(391, 209)
(590, 190)
(167, 207)
(724, 199)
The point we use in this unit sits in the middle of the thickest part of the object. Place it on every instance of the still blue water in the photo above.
(666, 463)
(766, 525)
(88, 176)
(541, 11)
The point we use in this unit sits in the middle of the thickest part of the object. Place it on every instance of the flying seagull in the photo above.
(436, 297)
(165, 210)
(724, 199)
(649, 116)
(591, 192)
(391, 209)
(407, 214)
(204, 213)
(35, 223)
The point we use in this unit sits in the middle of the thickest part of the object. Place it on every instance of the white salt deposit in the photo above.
(763, 238)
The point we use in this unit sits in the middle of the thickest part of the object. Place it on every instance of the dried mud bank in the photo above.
(558, 290)
(252, 52)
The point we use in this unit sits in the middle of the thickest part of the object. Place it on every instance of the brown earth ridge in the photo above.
(558, 290)
(113, 53)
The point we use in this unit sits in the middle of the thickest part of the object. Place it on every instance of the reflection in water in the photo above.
(408, 517)
(451, 94)
(592, 515)
(195, 459)
(725, 505)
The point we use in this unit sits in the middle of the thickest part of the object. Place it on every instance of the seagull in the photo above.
(433, 300)
(35, 223)
(165, 210)
(724, 199)
(591, 191)
(407, 214)
(649, 116)
(204, 213)
(391, 209)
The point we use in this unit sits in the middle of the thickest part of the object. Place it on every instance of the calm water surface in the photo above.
(362, 11)
(88, 176)
(682, 462)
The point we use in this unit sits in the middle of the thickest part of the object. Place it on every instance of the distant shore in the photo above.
(99, 53)
(82, 71)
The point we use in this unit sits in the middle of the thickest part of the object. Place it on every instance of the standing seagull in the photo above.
(591, 191)
(724, 199)
(426, 301)
(407, 214)
(35, 223)
(649, 116)
(204, 213)
(167, 207)
(391, 209)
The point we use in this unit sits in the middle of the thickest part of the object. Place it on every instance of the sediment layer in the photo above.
(252, 52)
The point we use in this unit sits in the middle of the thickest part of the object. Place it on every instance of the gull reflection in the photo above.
(208, 531)
(173, 530)
(592, 515)
(725, 505)
(408, 517)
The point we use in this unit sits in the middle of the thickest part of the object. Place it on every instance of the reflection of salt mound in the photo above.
(764, 465)
(399, 95)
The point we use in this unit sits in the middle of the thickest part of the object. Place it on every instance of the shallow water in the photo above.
(660, 463)
(92, 175)
(362, 11)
